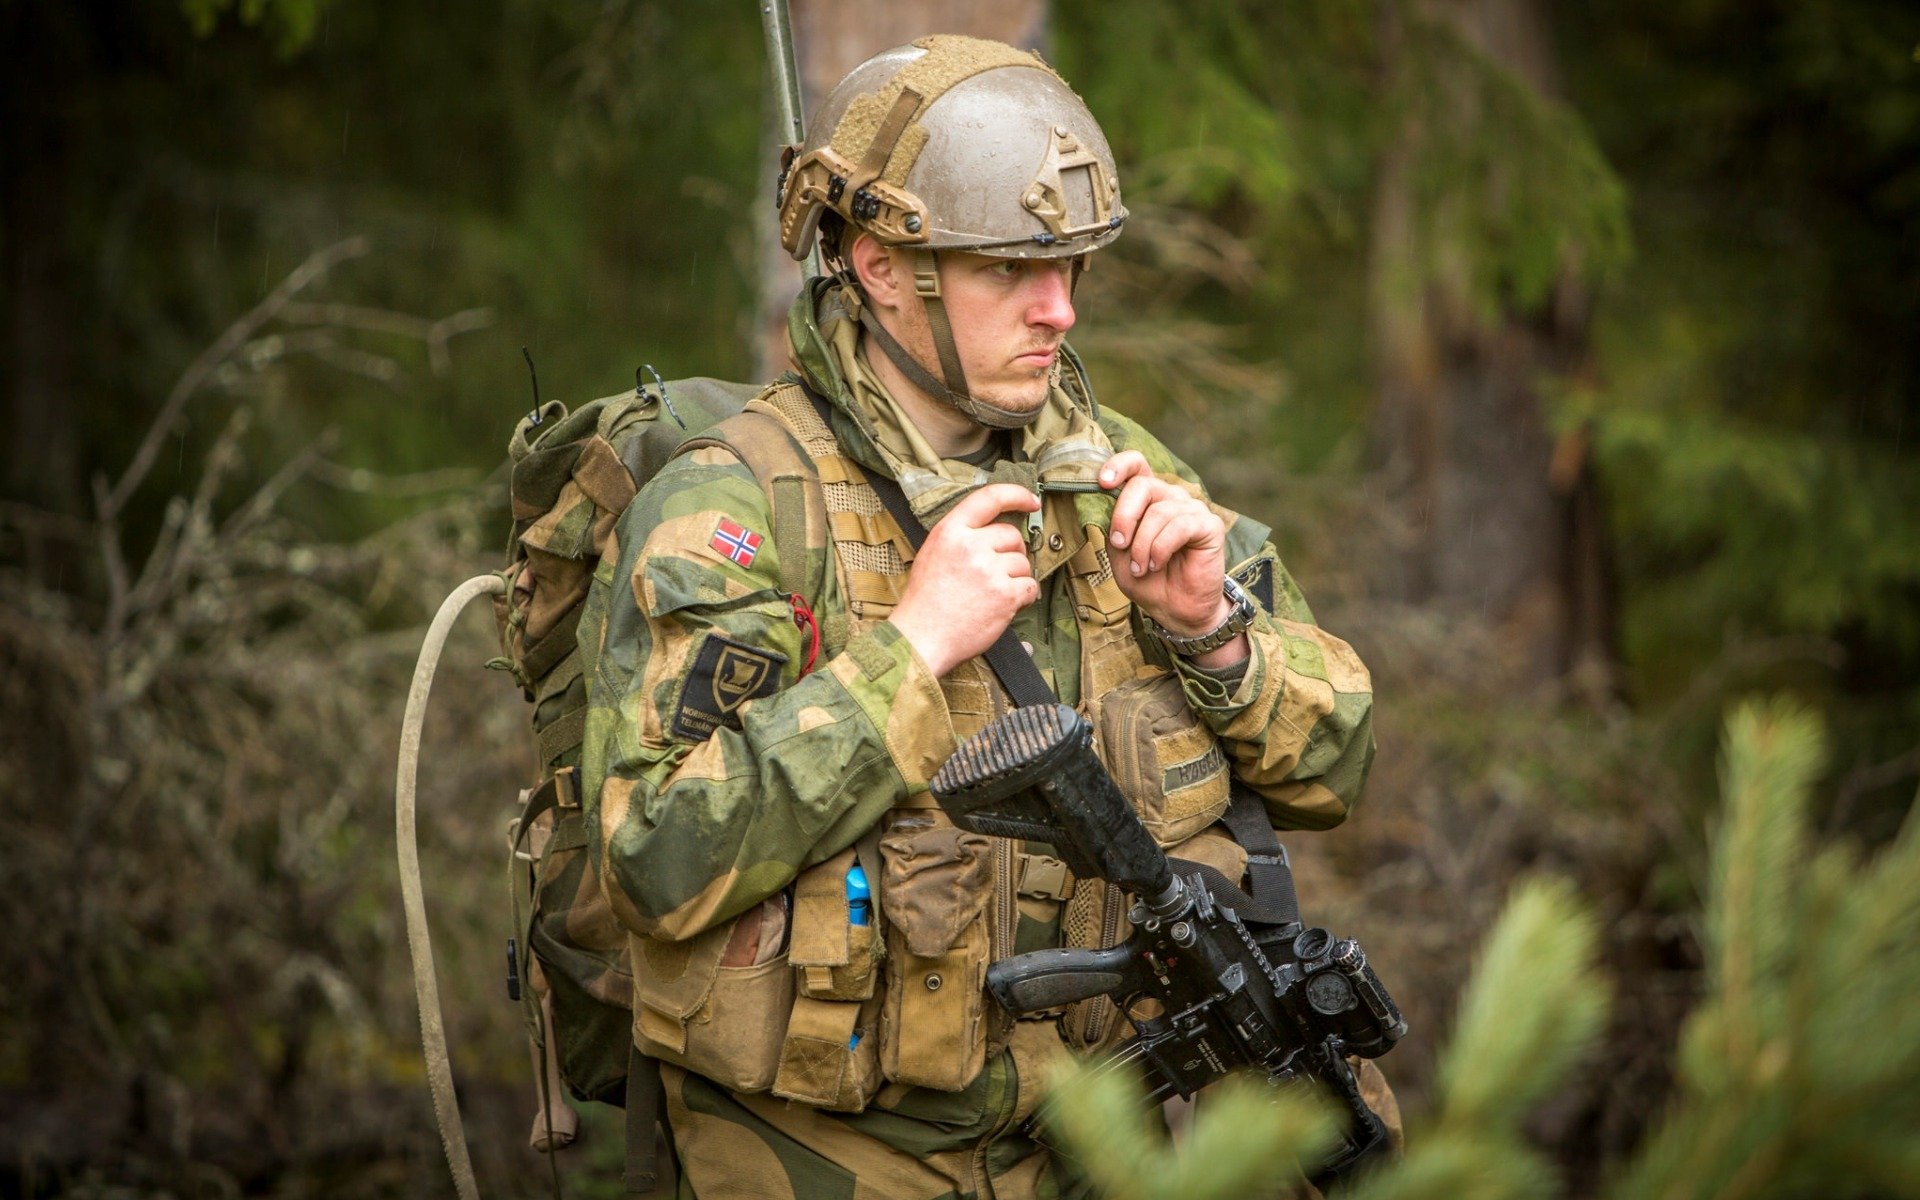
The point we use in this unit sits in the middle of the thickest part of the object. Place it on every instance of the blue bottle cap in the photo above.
(859, 897)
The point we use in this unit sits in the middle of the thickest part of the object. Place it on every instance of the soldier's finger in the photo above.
(1123, 466)
(1153, 521)
(1016, 565)
(1190, 527)
(1002, 538)
(1140, 492)
(983, 505)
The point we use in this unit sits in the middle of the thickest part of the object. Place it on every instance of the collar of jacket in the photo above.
(1060, 534)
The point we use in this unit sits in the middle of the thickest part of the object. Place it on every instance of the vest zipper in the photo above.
(1005, 900)
(1005, 904)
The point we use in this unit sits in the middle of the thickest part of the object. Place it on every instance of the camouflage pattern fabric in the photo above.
(714, 771)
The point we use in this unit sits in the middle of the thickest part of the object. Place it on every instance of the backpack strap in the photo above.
(646, 1110)
(762, 440)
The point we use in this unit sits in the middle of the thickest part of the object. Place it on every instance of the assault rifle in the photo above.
(1214, 981)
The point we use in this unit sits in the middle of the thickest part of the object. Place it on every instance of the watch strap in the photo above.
(1238, 620)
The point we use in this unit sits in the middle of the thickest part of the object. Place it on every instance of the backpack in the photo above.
(573, 473)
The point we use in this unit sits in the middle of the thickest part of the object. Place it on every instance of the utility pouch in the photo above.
(725, 1023)
(831, 1056)
(1163, 757)
(833, 958)
(937, 882)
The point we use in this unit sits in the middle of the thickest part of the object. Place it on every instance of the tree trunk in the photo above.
(831, 37)
(1500, 521)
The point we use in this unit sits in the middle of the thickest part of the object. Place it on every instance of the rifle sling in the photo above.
(1268, 870)
(1228, 894)
(1011, 664)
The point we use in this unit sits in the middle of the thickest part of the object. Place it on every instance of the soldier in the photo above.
(810, 933)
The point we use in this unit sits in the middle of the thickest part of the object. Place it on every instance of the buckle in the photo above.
(1044, 878)
(926, 275)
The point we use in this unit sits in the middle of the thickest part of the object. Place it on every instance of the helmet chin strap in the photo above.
(953, 390)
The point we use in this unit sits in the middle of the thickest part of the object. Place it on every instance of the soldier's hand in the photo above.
(969, 579)
(1168, 549)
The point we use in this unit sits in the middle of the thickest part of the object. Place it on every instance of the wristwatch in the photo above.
(1239, 619)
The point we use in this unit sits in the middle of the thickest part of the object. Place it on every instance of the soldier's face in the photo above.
(1009, 317)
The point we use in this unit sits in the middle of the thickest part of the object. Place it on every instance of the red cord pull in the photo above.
(804, 619)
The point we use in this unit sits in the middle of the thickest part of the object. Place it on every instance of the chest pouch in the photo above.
(1162, 756)
(724, 1022)
(830, 1057)
(937, 882)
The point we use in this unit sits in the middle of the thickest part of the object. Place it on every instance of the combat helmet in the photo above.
(952, 143)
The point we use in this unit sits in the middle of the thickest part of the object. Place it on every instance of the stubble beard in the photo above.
(1009, 393)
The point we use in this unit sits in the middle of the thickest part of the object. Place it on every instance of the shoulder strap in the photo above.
(1012, 665)
(792, 483)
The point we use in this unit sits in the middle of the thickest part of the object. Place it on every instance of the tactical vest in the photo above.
(873, 554)
(850, 1006)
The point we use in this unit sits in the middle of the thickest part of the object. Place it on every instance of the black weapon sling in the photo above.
(1272, 901)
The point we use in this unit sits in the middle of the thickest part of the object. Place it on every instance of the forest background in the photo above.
(1570, 348)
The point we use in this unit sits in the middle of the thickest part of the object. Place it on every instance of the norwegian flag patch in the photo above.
(736, 542)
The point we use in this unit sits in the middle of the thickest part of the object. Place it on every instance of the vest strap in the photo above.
(1011, 664)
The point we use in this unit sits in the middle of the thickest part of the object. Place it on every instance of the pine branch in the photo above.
(1802, 1067)
(1243, 1140)
(1533, 1006)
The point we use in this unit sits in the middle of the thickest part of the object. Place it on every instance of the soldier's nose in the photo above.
(1051, 304)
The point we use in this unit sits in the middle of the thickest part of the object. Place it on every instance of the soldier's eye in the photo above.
(1006, 268)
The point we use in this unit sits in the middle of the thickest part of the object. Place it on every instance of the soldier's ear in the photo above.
(880, 276)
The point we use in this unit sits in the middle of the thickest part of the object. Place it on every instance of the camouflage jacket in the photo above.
(701, 815)
(716, 767)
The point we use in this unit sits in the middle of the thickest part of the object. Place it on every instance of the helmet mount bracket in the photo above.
(1071, 180)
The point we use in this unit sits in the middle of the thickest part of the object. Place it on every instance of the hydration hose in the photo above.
(426, 988)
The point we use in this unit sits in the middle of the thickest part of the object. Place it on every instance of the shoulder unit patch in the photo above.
(725, 675)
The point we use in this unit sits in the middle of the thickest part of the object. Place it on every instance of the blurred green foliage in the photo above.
(510, 155)
(1230, 1147)
(291, 23)
(1757, 391)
